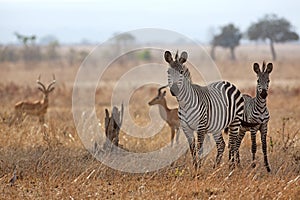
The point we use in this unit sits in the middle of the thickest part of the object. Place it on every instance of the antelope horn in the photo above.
(159, 89)
(41, 84)
(52, 83)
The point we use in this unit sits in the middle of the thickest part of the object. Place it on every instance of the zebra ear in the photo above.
(269, 68)
(256, 68)
(183, 57)
(168, 57)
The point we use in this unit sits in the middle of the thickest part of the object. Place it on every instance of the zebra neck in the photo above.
(186, 91)
(260, 103)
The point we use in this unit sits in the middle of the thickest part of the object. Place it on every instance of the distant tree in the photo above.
(30, 51)
(229, 37)
(25, 39)
(51, 50)
(274, 29)
(124, 39)
(85, 41)
(145, 55)
(46, 40)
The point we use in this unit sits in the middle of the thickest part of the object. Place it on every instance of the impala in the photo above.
(35, 108)
(167, 114)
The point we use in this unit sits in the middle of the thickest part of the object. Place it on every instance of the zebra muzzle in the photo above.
(264, 94)
(174, 90)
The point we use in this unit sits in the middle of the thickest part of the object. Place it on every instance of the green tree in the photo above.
(274, 29)
(30, 51)
(25, 39)
(229, 37)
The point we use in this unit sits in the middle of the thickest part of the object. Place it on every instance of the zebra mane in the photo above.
(176, 56)
(186, 73)
(263, 67)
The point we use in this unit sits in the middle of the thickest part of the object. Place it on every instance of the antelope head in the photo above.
(159, 98)
(46, 90)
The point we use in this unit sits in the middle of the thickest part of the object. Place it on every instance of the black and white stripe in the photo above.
(256, 115)
(205, 109)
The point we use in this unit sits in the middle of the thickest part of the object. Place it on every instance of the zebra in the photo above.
(256, 115)
(204, 109)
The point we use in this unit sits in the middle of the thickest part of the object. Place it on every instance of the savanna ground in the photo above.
(50, 161)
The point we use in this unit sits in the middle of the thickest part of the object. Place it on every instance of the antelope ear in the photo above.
(183, 57)
(269, 68)
(256, 68)
(164, 94)
(168, 57)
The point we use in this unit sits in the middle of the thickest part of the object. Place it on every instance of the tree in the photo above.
(124, 39)
(274, 29)
(46, 40)
(122, 42)
(229, 37)
(51, 50)
(30, 51)
(25, 39)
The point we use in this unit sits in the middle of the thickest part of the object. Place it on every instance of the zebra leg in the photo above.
(263, 131)
(233, 134)
(189, 134)
(253, 141)
(238, 142)
(200, 138)
(220, 146)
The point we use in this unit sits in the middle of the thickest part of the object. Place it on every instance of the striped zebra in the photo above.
(256, 115)
(205, 109)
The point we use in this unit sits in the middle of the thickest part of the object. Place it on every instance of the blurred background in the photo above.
(59, 34)
(53, 30)
(91, 21)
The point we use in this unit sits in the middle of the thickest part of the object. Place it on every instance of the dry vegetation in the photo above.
(51, 162)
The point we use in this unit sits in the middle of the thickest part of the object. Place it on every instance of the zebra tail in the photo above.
(226, 130)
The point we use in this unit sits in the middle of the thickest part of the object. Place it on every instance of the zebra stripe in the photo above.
(256, 112)
(205, 109)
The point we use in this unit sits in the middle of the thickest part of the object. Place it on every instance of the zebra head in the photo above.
(177, 71)
(263, 78)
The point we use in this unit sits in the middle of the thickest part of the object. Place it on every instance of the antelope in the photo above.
(167, 114)
(36, 108)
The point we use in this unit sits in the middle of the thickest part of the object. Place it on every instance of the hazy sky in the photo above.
(73, 20)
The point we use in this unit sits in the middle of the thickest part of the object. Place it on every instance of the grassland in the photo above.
(51, 162)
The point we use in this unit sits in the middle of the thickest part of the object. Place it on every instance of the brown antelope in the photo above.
(167, 114)
(36, 108)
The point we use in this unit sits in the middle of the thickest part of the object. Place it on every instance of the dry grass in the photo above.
(51, 162)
